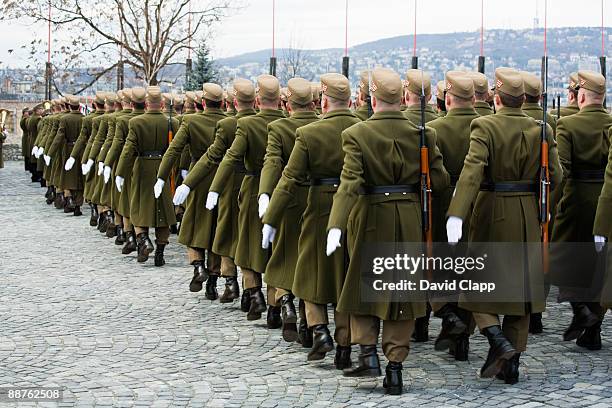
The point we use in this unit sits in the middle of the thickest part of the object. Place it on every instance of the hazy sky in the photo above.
(320, 23)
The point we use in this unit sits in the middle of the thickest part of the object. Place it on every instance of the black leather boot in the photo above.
(111, 230)
(93, 221)
(510, 372)
(159, 255)
(289, 317)
(461, 347)
(368, 364)
(106, 220)
(304, 334)
(51, 197)
(421, 328)
(343, 357)
(130, 243)
(393, 382)
(273, 318)
(245, 300)
(211, 288)
(535, 323)
(59, 201)
(232, 290)
(500, 350)
(77, 211)
(48, 192)
(583, 319)
(322, 343)
(145, 247)
(258, 304)
(591, 338)
(200, 275)
(70, 205)
(452, 326)
(174, 229)
(120, 240)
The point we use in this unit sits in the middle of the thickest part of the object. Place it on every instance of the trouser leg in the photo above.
(141, 230)
(396, 339)
(162, 235)
(271, 295)
(251, 279)
(516, 330)
(214, 263)
(278, 295)
(342, 335)
(316, 314)
(364, 329)
(127, 224)
(195, 255)
(228, 267)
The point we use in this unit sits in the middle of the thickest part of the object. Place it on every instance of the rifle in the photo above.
(170, 137)
(558, 106)
(368, 96)
(544, 169)
(425, 180)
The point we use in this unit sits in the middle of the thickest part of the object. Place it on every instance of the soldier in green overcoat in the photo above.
(505, 153)
(363, 110)
(481, 93)
(25, 146)
(412, 96)
(441, 98)
(226, 235)
(583, 150)
(32, 126)
(382, 197)
(248, 148)
(572, 96)
(533, 96)
(317, 158)
(281, 266)
(141, 157)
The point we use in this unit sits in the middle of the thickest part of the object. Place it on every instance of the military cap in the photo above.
(481, 83)
(212, 92)
(364, 82)
(299, 91)
(73, 100)
(154, 94)
(100, 97)
(127, 95)
(573, 81)
(335, 85)
(39, 106)
(25, 109)
(119, 96)
(244, 90)
(283, 94)
(509, 81)
(386, 85)
(178, 99)
(459, 84)
(440, 89)
(139, 95)
(414, 78)
(199, 96)
(190, 97)
(316, 90)
(167, 98)
(593, 81)
(110, 97)
(268, 87)
(532, 84)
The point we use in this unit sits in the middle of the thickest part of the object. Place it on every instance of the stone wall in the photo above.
(11, 152)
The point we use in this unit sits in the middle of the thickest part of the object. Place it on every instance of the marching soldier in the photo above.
(70, 181)
(281, 265)
(134, 101)
(25, 147)
(141, 157)
(453, 140)
(583, 151)
(504, 151)
(413, 96)
(533, 96)
(3, 136)
(316, 96)
(226, 235)
(33, 130)
(481, 93)
(198, 225)
(440, 98)
(363, 110)
(248, 148)
(390, 190)
(317, 156)
(572, 96)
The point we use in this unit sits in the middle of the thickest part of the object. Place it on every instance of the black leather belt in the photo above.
(255, 173)
(398, 188)
(588, 175)
(510, 187)
(330, 181)
(152, 153)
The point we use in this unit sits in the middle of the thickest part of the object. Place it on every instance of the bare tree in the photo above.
(292, 61)
(146, 35)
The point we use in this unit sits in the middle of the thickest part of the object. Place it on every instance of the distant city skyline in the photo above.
(318, 24)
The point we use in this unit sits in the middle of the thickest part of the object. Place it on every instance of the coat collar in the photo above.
(304, 115)
(461, 112)
(271, 112)
(245, 112)
(388, 115)
(593, 108)
(505, 111)
(339, 112)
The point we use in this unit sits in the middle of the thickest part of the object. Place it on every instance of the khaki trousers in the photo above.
(162, 234)
(250, 279)
(228, 267)
(275, 295)
(127, 224)
(198, 254)
(395, 335)
(515, 328)
(317, 314)
(76, 194)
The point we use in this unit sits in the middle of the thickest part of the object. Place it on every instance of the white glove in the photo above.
(268, 233)
(69, 164)
(181, 193)
(184, 174)
(119, 183)
(47, 160)
(41, 151)
(599, 242)
(264, 202)
(107, 174)
(454, 229)
(158, 187)
(211, 200)
(100, 168)
(333, 240)
(34, 150)
(87, 166)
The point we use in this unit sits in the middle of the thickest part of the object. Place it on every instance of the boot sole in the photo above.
(372, 372)
(195, 286)
(496, 367)
(290, 333)
(228, 299)
(127, 251)
(394, 390)
(320, 353)
(255, 316)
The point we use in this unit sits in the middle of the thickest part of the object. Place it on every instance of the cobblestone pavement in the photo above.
(76, 313)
